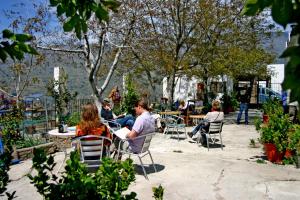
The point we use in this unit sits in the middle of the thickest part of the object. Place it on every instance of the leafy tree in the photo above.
(15, 45)
(284, 12)
(204, 39)
(162, 39)
(228, 43)
(101, 35)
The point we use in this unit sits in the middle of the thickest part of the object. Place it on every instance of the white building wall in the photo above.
(277, 76)
(186, 88)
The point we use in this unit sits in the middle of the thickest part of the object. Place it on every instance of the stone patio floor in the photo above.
(187, 170)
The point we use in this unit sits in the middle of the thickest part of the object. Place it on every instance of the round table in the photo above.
(54, 132)
(196, 118)
(61, 144)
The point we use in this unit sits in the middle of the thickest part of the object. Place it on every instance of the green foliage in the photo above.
(288, 161)
(10, 123)
(260, 161)
(252, 143)
(158, 192)
(284, 12)
(207, 107)
(28, 142)
(270, 106)
(257, 123)
(117, 110)
(111, 179)
(229, 101)
(78, 12)
(130, 97)
(276, 131)
(294, 139)
(5, 159)
(15, 45)
(73, 119)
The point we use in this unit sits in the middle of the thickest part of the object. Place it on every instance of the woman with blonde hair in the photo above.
(90, 123)
(214, 116)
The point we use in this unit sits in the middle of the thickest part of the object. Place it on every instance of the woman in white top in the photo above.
(213, 116)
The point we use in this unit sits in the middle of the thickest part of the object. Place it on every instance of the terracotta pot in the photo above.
(272, 153)
(265, 119)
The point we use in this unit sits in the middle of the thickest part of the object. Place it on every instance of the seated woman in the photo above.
(213, 116)
(90, 123)
(123, 120)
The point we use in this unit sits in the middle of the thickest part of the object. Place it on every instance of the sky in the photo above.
(20, 7)
(14, 5)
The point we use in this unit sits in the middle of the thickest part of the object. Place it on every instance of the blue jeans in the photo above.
(128, 121)
(243, 107)
(202, 124)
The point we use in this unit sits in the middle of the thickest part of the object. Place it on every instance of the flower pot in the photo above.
(265, 119)
(272, 154)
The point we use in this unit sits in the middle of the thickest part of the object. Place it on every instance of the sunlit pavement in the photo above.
(187, 170)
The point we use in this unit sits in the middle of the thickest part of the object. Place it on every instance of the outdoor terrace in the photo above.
(189, 171)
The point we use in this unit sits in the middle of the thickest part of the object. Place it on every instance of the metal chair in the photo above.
(92, 149)
(112, 124)
(144, 151)
(215, 128)
(175, 123)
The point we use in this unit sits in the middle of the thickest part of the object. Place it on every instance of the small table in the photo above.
(164, 113)
(68, 135)
(196, 118)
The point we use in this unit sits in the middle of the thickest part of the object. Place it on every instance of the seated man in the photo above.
(213, 116)
(123, 120)
(143, 125)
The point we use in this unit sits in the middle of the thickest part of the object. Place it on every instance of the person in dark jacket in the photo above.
(244, 99)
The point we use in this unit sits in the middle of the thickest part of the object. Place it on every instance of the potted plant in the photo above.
(274, 135)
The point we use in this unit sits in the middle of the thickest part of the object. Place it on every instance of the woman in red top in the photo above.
(90, 123)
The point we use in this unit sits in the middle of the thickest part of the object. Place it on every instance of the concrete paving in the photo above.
(187, 170)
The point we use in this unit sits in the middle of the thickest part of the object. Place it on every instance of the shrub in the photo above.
(158, 192)
(29, 142)
(73, 119)
(130, 97)
(111, 179)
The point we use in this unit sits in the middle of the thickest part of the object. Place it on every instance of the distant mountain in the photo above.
(277, 44)
(73, 66)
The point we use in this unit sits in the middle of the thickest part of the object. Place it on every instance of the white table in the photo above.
(58, 136)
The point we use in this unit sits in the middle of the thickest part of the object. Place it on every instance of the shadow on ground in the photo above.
(177, 136)
(149, 168)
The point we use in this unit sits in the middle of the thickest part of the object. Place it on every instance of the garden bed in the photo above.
(26, 153)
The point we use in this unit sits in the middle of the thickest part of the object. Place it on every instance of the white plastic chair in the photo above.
(144, 151)
(215, 128)
(92, 149)
(174, 123)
